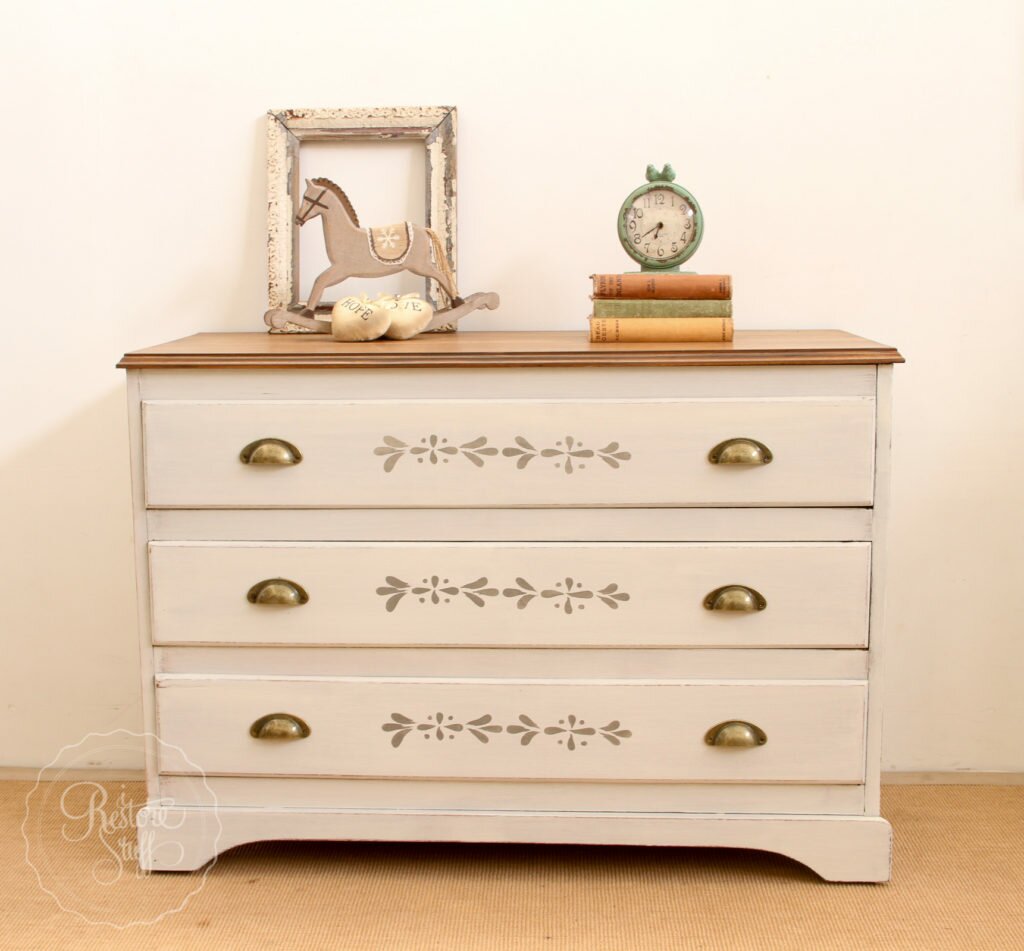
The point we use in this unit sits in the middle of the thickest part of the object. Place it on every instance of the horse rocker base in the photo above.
(282, 320)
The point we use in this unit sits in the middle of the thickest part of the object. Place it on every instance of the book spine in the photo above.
(663, 286)
(660, 330)
(662, 308)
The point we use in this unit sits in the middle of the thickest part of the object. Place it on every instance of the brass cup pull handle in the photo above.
(270, 452)
(740, 451)
(280, 726)
(735, 597)
(277, 591)
(736, 733)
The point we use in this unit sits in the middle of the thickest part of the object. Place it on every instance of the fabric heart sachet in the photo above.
(394, 317)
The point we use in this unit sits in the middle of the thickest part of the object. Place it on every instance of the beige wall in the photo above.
(860, 165)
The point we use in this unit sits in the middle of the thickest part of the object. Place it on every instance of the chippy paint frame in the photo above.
(287, 129)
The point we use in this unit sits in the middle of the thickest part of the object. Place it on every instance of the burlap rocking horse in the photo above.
(372, 252)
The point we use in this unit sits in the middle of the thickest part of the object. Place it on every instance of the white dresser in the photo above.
(513, 587)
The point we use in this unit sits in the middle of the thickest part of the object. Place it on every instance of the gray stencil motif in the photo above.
(568, 454)
(569, 595)
(571, 732)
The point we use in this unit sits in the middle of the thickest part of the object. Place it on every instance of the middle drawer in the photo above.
(512, 594)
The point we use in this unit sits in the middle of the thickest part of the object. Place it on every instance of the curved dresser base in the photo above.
(838, 848)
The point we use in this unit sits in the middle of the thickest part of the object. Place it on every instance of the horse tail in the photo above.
(442, 263)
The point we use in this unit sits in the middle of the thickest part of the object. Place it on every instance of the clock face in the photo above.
(661, 226)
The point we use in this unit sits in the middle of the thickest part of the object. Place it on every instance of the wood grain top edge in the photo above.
(508, 349)
(772, 358)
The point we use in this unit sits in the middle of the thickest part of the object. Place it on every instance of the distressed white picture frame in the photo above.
(287, 129)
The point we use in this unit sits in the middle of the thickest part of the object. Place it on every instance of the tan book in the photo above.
(660, 329)
(641, 286)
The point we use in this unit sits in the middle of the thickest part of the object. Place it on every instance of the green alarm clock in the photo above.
(660, 223)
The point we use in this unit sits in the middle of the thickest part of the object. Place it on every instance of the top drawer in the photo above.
(455, 453)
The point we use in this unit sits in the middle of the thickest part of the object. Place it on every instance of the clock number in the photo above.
(631, 225)
(675, 247)
(647, 249)
(638, 212)
(659, 198)
(661, 252)
(647, 201)
(636, 239)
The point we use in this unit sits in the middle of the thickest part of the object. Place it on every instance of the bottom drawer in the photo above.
(473, 728)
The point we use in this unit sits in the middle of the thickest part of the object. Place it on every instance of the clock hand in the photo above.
(657, 227)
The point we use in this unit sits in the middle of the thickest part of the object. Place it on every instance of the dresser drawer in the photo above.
(600, 730)
(427, 453)
(779, 595)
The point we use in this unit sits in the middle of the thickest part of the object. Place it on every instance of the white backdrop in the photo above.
(860, 165)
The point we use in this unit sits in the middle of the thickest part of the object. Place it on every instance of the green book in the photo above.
(662, 308)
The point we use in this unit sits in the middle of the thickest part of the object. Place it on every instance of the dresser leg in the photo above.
(174, 839)
(838, 849)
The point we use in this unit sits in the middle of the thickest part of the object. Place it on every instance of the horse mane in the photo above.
(340, 195)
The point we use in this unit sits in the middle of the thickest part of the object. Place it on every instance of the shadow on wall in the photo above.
(69, 622)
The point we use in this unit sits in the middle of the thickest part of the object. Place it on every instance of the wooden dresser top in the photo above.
(506, 349)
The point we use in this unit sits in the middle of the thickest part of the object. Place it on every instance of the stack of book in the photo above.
(646, 307)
